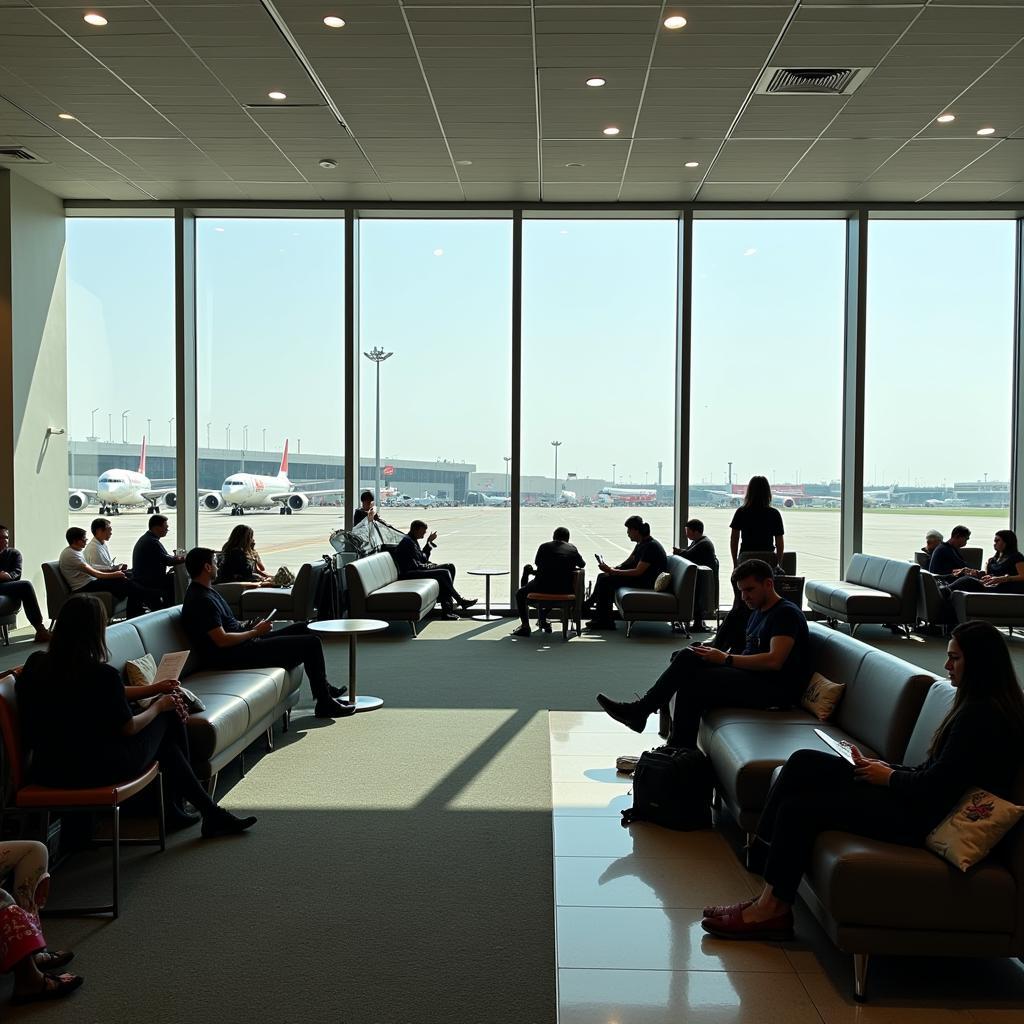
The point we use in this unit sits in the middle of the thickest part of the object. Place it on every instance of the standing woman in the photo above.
(979, 744)
(1004, 571)
(76, 720)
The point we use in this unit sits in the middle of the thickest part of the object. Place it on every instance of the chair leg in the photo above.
(565, 625)
(285, 720)
(629, 627)
(6, 635)
(270, 738)
(414, 633)
(211, 784)
(115, 847)
(162, 823)
(860, 976)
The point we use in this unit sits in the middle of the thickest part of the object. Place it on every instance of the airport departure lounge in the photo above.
(511, 512)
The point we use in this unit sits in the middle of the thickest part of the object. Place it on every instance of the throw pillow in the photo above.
(141, 671)
(973, 827)
(822, 696)
(663, 582)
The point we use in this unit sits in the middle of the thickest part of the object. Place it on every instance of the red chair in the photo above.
(55, 800)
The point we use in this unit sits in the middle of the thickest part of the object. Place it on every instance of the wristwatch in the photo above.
(728, 661)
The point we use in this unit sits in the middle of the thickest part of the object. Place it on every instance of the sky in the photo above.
(599, 309)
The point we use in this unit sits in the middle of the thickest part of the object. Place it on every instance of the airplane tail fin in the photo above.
(142, 457)
(283, 471)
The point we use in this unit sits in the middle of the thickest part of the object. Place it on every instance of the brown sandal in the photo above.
(729, 908)
(55, 986)
(51, 959)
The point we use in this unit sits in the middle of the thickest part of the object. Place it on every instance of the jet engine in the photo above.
(212, 502)
(297, 502)
(170, 500)
(77, 500)
(788, 502)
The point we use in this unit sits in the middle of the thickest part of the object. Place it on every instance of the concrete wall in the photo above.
(33, 372)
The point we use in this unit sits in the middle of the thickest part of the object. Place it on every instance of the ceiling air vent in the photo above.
(810, 81)
(19, 155)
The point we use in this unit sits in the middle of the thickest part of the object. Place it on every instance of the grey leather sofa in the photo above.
(874, 589)
(674, 605)
(8, 617)
(376, 592)
(296, 603)
(999, 609)
(241, 706)
(58, 591)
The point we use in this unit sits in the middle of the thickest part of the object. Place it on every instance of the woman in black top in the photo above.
(977, 745)
(757, 525)
(241, 561)
(76, 720)
(1003, 573)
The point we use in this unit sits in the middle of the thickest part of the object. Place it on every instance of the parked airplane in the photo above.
(946, 503)
(568, 499)
(123, 488)
(626, 496)
(476, 498)
(872, 499)
(737, 498)
(251, 490)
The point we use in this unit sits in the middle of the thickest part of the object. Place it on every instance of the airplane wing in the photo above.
(828, 499)
(309, 494)
(81, 490)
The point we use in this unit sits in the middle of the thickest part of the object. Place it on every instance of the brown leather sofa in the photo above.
(870, 896)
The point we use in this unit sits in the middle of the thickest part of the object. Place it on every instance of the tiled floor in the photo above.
(631, 949)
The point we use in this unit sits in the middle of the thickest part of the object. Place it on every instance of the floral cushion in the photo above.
(822, 696)
(973, 828)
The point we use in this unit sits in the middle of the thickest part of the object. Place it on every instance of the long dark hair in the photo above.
(759, 493)
(988, 676)
(241, 537)
(79, 634)
(1009, 538)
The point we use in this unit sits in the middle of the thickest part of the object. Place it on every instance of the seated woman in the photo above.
(241, 561)
(76, 720)
(979, 743)
(23, 951)
(1003, 573)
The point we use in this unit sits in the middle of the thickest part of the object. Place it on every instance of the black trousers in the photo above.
(816, 792)
(698, 686)
(972, 584)
(443, 577)
(524, 609)
(602, 598)
(138, 597)
(23, 591)
(284, 648)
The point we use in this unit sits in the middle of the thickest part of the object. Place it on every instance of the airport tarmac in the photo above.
(477, 538)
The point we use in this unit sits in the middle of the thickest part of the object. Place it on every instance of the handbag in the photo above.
(284, 577)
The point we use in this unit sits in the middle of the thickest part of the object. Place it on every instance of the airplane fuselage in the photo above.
(250, 490)
(123, 487)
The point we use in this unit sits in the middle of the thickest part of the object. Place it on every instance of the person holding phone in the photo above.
(978, 744)
(220, 641)
(644, 565)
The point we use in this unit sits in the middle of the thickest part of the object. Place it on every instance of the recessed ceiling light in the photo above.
(333, 21)
(945, 118)
(277, 95)
(611, 131)
(691, 163)
(94, 19)
(675, 21)
(596, 83)
(66, 117)
(328, 163)
(986, 131)
(574, 165)
(464, 163)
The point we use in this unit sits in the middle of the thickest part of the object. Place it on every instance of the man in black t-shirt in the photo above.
(219, 641)
(646, 562)
(946, 559)
(556, 562)
(772, 671)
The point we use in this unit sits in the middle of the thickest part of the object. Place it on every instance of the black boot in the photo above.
(631, 715)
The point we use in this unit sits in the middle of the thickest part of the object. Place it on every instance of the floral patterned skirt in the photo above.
(20, 935)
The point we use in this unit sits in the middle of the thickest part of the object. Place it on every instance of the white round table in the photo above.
(488, 573)
(349, 629)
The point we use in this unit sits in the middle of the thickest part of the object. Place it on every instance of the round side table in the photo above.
(488, 573)
(349, 629)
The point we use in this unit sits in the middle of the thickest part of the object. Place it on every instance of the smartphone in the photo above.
(599, 558)
(269, 617)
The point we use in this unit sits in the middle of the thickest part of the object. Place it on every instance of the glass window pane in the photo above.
(599, 371)
(767, 380)
(938, 382)
(436, 294)
(120, 302)
(270, 323)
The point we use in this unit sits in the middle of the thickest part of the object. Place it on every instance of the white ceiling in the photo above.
(160, 95)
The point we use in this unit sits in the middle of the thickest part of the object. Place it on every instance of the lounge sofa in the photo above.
(376, 592)
(673, 605)
(990, 606)
(870, 896)
(972, 556)
(8, 617)
(241, 705)
(874, 589)
(58, 591)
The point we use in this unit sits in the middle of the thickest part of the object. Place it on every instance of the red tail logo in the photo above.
(142, 458)
(283, 471)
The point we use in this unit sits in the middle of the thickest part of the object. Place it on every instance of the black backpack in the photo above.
(672, 788)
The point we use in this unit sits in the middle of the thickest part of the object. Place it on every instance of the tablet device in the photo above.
(269, 617)
(841, 747)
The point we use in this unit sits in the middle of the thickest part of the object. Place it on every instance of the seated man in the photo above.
(219, 641)
(932, 539)
(152, 565)
(700, 551)
(414, 564)
(97, 552)
(556, 561)
(772, 671)
(946, 560)
(17, 589)
(82, 578)
(646, 562)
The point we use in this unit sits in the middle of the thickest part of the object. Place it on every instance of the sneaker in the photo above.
(521, 631)
(629, 715)
(337, 691)
(596, 624)
(328, 707)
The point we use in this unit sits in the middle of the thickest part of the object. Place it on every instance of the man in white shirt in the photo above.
(83, 578)
(97, 551)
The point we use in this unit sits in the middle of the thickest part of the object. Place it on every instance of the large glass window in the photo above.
(599, 370)
(938, 383)
(270, 335)
(767, 380)
(120, 301)
(435, 310)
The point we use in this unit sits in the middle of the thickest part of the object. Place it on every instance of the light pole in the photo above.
(93, 431)
(613, 474)
(377, 355)
(508, 459)
(556, 445)
(170, 432)
(124, 426)
(209, 444)
(245, 443)
(264, 438)
(110, 427)
(227, 436)
(149, 427)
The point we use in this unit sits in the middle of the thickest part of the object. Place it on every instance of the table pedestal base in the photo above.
(486, 617)
(365, 703)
